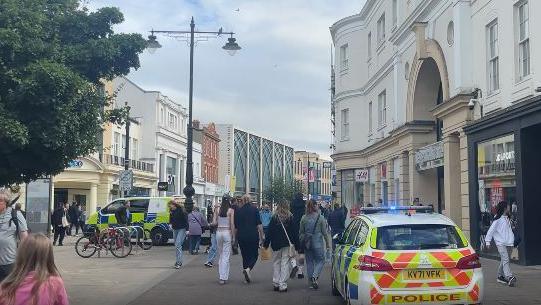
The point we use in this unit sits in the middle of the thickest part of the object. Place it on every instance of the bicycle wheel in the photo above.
(145, 241)
(120, 245)
(85, 247)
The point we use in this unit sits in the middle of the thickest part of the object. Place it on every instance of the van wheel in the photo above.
(157, 235)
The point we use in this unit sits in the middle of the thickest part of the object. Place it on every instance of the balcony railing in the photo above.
(137, 165)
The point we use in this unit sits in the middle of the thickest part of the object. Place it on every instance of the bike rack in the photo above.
(135, 228)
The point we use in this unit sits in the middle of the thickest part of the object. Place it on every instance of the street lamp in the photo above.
(231, 47)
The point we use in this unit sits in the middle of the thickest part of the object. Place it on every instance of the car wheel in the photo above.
(335, 291)
(157, 235)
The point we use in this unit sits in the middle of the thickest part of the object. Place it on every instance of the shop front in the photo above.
(504, 165)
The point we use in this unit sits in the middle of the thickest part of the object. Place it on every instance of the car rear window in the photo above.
(418, 237)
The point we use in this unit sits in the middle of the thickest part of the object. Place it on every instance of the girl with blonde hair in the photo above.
(34, 280)
(281, 233)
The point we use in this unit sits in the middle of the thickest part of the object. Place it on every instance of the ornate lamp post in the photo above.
(231, 47)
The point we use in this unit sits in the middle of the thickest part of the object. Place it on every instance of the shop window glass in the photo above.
(496, 182)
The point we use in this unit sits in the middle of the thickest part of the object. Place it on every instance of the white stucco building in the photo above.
(419, 88)
(164, 132)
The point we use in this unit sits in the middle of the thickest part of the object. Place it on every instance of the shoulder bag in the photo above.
(307, 240)
(291, 250)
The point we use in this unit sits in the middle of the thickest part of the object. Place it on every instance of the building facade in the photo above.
(249, 162)
(412, 83)
(208, 138)
(318, 179)
(164, 133)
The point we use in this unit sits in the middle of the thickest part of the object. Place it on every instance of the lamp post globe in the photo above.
(231, 46)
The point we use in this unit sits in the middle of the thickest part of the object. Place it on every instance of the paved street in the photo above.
(147, 278)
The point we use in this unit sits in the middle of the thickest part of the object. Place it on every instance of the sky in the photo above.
(277, 86)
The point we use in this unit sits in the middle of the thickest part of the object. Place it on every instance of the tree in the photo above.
(280, 190)
(54, 55)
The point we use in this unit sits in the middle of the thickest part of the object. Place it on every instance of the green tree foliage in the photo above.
(279, 190)
(54, 54)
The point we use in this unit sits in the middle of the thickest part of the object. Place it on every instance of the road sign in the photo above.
(163, 186)
(125, 180)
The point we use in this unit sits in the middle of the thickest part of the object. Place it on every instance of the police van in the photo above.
(405, 255)
(152, 213)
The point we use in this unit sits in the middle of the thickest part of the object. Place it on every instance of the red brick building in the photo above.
(210, 141)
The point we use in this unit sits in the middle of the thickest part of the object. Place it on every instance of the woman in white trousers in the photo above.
(224, 219)
(280, 234)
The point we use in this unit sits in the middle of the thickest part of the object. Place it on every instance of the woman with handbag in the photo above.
(280, 235)
(315, 238)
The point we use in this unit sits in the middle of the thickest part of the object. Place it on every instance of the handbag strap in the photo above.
(315, 224)
(195, 218)
(285, 231)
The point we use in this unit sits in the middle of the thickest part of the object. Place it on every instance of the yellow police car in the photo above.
(152, 213)
(405, 255)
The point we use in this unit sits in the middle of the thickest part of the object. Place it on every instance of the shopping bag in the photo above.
(265, 253)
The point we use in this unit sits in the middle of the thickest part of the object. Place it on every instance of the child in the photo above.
(500, 230)
(34, 279)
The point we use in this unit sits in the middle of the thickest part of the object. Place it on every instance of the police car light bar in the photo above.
(398, 208)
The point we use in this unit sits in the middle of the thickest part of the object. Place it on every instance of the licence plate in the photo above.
(423, 274)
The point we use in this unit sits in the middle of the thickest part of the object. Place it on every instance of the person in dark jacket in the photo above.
(280, 234)
(60, 223)
(123, 215)
(298, 208)
(337, 222)
(72, 217)
(178, 219)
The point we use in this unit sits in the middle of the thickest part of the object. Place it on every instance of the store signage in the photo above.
(430, 156)
(125, 179)
(384, 170)
(361, 175)
(509, 155)
(75, 164)
(38, 200)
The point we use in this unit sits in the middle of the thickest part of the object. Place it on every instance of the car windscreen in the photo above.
(418, 237)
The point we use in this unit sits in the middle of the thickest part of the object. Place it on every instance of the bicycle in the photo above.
(110, 239)
(142, 235)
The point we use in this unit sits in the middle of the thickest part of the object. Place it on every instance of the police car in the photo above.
(405, 255)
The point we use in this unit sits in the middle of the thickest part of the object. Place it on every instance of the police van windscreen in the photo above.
(418, 237)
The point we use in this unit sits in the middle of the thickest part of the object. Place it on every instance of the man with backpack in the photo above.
(13, 228)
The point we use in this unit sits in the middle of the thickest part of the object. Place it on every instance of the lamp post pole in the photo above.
(189, 191)
(231, 47)
(127, 144)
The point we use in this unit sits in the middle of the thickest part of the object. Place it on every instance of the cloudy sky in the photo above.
(276, 86)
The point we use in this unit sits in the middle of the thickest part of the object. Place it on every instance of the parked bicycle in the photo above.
(110, 239)
(141, 235)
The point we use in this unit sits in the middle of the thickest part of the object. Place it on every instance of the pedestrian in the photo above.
(298, 208)
(213, 248)
(19, 207)
(77, 219)
(500, 230)
(224, 219)
(266, 216)
(59, 219)
(72, 217)
(337, 222)
(35, 278)
(123, 214)
(178, 219)
(82, 219)
(279, 237)
(197, 223)
(315, 238)
(250, 236)
(13, 228)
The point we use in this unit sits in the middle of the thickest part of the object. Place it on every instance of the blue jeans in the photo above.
(213, 248)
(178, 237)
(195, 240)
(315, 260)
